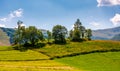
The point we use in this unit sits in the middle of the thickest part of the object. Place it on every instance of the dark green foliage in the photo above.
(27, 36)
(79, 32)
(49, 36)
(76, 35)
(33, 35)
(59, 33)
(89, 34)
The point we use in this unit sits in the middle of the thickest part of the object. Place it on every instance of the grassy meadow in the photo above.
(42, 65)
(93, 55)
(15, 60)
(15, 55)
(108, 61)
(77, 48)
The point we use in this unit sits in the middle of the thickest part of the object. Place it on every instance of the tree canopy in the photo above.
(59, 33)
(30, 35)
(79, 32)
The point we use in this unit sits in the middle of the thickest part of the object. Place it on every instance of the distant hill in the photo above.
(105, 34)
(116, 37)
(6, 34)
(4, 39)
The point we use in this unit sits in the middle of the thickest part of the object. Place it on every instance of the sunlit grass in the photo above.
(5, 48)
(109, 61)
(17, 55)
(43, 65)
(72, 48)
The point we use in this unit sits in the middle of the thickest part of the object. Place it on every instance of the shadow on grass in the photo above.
(84, 53)
(27, 46)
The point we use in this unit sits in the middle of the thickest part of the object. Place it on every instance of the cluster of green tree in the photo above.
(32, 35)
(27, 36)
(79, 33)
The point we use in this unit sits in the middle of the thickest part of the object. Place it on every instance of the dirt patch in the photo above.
(4, 44)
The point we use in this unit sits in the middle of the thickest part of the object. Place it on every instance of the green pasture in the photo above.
(5, 48)
(108, 61)
(73, 56)
(73, 48)
(15, 55)
(42, 65)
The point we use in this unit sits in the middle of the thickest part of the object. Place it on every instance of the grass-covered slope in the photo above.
(77, 48)
(108, 61)
(43, 65)
(86, 60)
(14, 60)
(14, 55)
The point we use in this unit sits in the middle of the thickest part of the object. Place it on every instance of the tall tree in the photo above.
(88, 34)
(29, 35)
(49, 35)
(79, 32)
(70, 34)
(18, 36)
(59, 33)
(76, 35)
(33, 35)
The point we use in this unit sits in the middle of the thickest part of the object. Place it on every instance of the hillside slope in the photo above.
(4, 39)
(116, 37)
(105, 34)
(10, 32)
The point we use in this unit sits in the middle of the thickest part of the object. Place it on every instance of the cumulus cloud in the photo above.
(95, 24)
(108, 2)
(2, 25)
(23, 25)
(115, 20)
(14, 14)
(3, 19)
(17, 13)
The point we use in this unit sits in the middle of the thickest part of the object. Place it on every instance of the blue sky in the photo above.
(44, 14)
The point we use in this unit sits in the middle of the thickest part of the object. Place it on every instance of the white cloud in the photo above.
(2, 25)
(14, 14)
(95, 24)
(23, 25)
(18, 13)
(116, 19)
(108, 2)
(3, 19)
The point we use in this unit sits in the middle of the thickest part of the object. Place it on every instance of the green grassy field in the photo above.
(15, 55)
(76, 48)
(42, 65)
(14, 60)
(5, 48)
(108, 61)
(74, 56)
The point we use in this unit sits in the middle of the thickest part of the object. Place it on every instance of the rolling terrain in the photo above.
(6, 34)
(4, 39)
(105, 34)
(74, 56)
